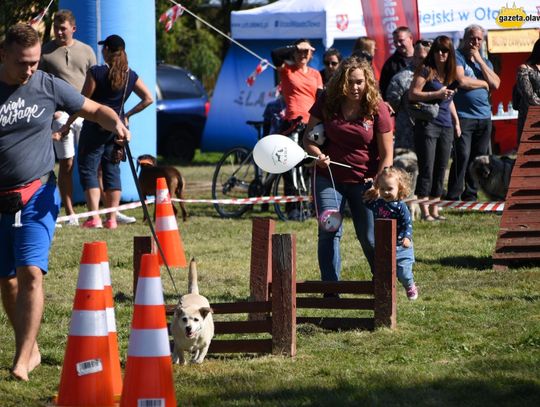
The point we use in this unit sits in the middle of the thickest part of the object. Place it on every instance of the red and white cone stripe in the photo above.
(90, 277)
(140, 338)
(149, 291)
(88, 323)
(162, 196)
(150, 296)
(166, 223)
(109, 308)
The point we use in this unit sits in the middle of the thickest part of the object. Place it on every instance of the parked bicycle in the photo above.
(237, 176)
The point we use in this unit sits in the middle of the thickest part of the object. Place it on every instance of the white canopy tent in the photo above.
(288, 19)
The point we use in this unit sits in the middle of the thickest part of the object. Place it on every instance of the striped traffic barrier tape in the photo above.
(495, 206)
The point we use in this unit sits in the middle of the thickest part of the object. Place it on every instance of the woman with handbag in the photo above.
(436, 123)
(109, 84)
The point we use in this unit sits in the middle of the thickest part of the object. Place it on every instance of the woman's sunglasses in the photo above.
(425, 43)
(331, 63)
(444, 50)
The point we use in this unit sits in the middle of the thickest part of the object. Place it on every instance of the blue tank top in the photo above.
(444, 119)
(104, 94)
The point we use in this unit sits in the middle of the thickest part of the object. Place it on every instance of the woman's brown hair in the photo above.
(337, 88)
(118, 69)
(445, 43)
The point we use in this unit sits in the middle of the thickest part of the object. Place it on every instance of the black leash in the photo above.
(146, 214)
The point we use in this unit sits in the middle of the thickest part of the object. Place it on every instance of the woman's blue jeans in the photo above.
(329, 242)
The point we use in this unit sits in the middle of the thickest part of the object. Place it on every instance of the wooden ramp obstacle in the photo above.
(518, 241)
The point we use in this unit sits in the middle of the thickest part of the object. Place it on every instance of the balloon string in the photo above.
(331, 162)
(333, 186)
(315, 191)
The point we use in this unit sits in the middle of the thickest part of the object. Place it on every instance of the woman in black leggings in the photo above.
(433, 139)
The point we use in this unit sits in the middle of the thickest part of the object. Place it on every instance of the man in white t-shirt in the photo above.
(68, 59)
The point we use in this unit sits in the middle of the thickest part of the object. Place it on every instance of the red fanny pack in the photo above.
(13, 201)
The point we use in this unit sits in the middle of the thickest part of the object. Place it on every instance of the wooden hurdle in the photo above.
(279, 309)
(274, 301)
(382, 289)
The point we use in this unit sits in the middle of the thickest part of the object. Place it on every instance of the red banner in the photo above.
(381, 18)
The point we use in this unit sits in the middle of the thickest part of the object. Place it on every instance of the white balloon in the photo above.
(277, 154)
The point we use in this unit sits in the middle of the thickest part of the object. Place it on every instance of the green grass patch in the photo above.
(472, 338)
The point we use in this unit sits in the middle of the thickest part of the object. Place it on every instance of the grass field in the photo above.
(471, 339)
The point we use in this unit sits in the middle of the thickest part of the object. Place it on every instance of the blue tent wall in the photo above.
(135, 23)
(234, 102)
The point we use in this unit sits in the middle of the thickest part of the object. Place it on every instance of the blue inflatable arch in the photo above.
(135, 22)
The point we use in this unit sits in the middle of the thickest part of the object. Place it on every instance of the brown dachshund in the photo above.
(150, 172)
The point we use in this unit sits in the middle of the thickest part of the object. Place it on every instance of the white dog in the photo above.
(193, 326)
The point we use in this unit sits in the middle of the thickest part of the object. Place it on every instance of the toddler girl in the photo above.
(384, 198)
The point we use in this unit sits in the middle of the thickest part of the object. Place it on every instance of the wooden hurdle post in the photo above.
(141, 245)
(284, 294)
(261, 262)
(384, 280)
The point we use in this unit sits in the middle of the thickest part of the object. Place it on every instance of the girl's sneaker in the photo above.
(92, 224)
(110, 224)
(124, 219)
(412, 292)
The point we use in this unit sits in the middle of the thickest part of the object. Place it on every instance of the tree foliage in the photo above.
(15, 11)
(191, 43)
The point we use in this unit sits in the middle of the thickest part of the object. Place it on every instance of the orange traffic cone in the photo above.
(86, 374)
(116, 371)
(148, 378)
(167, 228)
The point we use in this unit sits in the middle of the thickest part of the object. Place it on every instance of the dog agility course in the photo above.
(273, 305)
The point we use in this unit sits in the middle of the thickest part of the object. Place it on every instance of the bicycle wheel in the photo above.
(296, 182)
(235, 175)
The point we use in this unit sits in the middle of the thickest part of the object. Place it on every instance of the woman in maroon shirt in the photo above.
(358, 132)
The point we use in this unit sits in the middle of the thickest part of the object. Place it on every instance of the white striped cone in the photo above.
(167, 229)
(148, 376)
(116, 370)
(86, 373)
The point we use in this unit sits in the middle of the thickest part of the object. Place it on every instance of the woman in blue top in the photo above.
(433, 139)
(109, 84)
